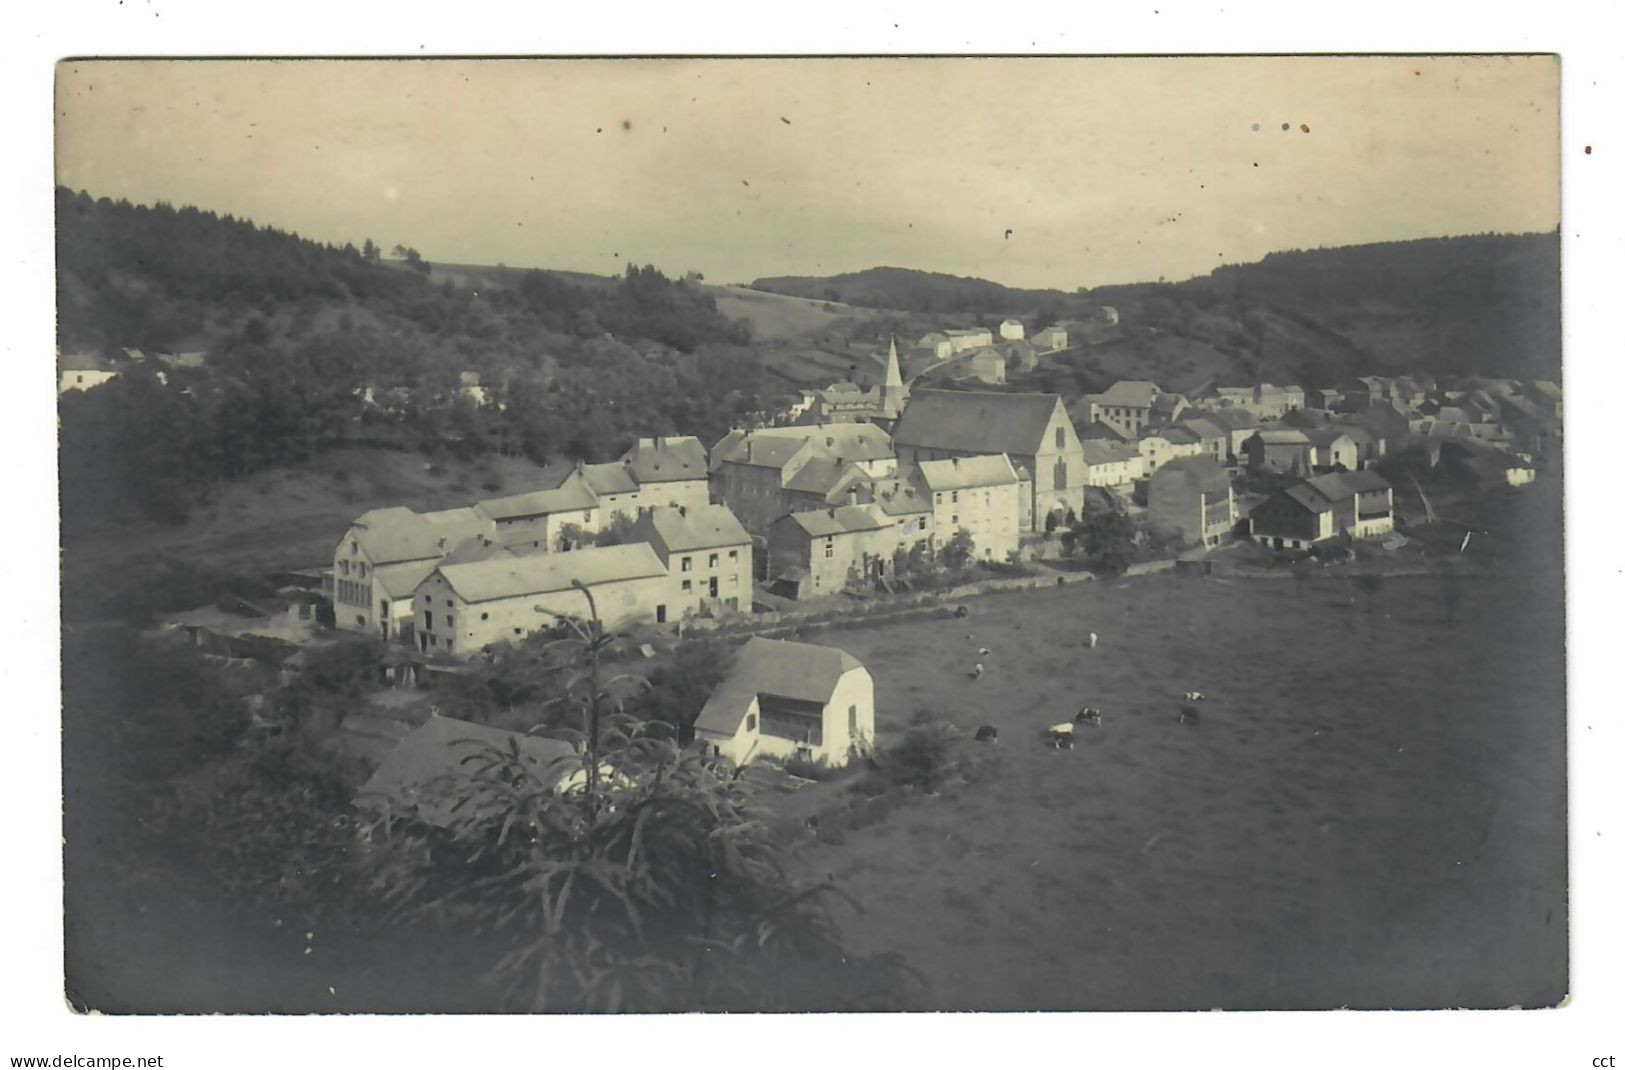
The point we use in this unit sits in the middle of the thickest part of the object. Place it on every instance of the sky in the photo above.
(1058, 173)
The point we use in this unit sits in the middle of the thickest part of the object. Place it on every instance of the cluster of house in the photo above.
(79, 371)
(456, 580)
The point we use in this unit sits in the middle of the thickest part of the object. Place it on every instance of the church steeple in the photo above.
(893, 393)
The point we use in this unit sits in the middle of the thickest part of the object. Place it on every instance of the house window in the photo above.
(956, 518)
(363, 570)
(1060, 438)
(448, 603)
(688, 564)
(428, 621)
(383, 607)
(733, 581)
(450, 621)
(956, 496)
(711, 562)
(660, 614)
(586, 517)
(355, 547)
(733, 555)
(361, 618)
(852, 722)
(344, 568)
(518, 631)
(750, 722)
(688, 586)
(829, 549)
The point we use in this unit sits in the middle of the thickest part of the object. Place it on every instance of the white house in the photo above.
(1012, 330)
(783, 699)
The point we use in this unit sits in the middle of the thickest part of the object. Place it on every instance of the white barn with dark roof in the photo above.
(783, 699)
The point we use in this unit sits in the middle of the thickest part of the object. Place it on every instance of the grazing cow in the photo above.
(976, 673)
(987, 734)
(962, 611)
(984, 652)
(1188, 715)
(1087, 715)
(1094, 640)
(1060, 735)
(1194, 696)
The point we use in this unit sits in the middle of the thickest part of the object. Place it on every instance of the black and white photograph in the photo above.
(861, 535)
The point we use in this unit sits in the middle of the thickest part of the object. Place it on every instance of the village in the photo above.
(867, 497)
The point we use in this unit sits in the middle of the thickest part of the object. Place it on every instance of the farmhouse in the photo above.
(82, 371)
(392, 543)
(785, 699)
(1157, 448)
(1333, 449)
(833, 547)
(707, 553)
(980, 495)
(1112, 465)
(1191, 497)
(1033, 430)
(462, 608)
(1012, 330)
(961, 341)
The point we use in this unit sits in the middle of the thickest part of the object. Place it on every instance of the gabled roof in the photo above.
(700, 527)
(774, 446)
(427, 767)
(968, 332)
(1131, 393)
(806, 672)
(396, 534)
(821, 475)
(82, 362)
(841, 520)
(969, 421)
(610, 477)
(665, 459)
(1336, 486)
(896, 496)
(1233, 419)
(1306, 496)
(959, 473)
(1203, 428)
(515, 577)
(573, 495)
(1277, 436)
(1180, 435)
(1326, 436)
(1202, 473)
(1097, 451)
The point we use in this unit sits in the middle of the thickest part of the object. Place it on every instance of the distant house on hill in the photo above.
(1012, 330)
(965, 339)
(1033, 430)
(784, 699)
(1050, 339)
(1333, 449)
(1191, 497)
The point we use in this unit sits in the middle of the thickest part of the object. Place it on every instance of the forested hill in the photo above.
(296, 333)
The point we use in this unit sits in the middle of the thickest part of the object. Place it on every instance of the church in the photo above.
(860, 400)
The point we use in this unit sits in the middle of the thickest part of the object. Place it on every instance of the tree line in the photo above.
(310, 347)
